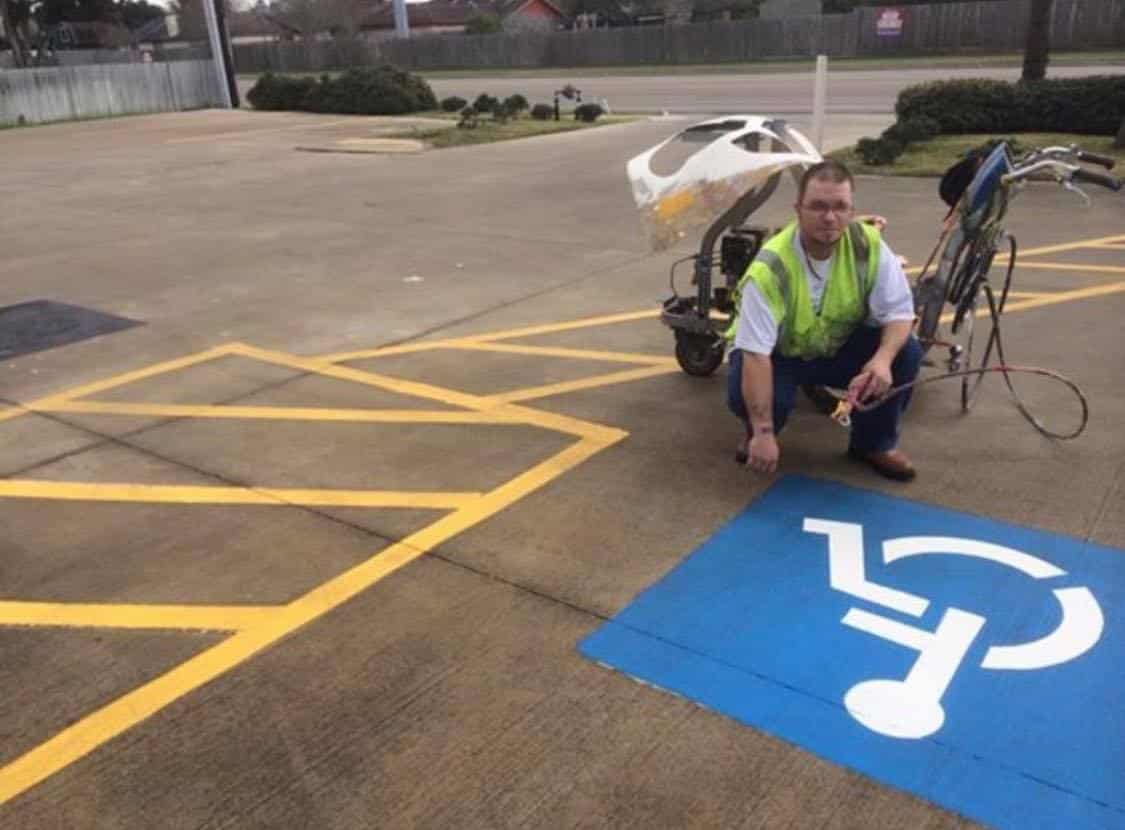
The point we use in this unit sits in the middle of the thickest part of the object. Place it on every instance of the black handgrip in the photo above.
(1094, 158)
(1097, 178)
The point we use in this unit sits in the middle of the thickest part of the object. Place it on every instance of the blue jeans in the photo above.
(872, 431)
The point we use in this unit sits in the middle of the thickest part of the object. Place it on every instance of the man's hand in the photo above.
(872, 382)
(762, 452)
(873, 219)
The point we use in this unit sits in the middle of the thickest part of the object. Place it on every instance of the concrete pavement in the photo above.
(243, 588)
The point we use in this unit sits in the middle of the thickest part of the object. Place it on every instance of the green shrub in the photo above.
(515, 104)
(919, 128)
(588, 112)
(485, 103)
(542, 112)
(1093, 105)
(879, 151)
(280, 92)
(378, 90)
(453, 104)
(485, 23)
(470, 119)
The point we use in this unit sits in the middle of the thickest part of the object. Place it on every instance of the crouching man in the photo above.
(824, 303)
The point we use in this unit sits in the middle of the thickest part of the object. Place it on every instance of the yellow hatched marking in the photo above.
(95, 729)
(280, 413)
(593, 382)
(392, 384)
(120, 380)
(104, 615)
(266, 496)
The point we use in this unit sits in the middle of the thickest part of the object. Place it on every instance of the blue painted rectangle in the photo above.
(750, 626)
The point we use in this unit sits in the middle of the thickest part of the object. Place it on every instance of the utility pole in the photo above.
(220, 56)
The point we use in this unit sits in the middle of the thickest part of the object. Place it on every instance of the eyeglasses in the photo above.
(823, 209)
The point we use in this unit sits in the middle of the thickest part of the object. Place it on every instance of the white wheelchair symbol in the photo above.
(911, 707)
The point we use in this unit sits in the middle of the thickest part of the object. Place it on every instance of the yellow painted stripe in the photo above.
(534, 392)
(1063, 297)
(98, 615)
(392, 384)
(565, 424)
(95, 729)
(281, 413)
(1071, 246)
(1053, 298)
(270, 497)
(130, 377)
(12, 412)
(1108, 246)
(552, 328)
(387, 351)
(490, 337)
(1070, 266)
(577, 354)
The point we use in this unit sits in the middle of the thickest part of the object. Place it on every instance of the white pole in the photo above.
(402, 22)
(218, 53)
(820, 91)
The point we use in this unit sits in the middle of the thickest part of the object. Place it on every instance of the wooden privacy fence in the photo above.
(990, 26)
(60, 93)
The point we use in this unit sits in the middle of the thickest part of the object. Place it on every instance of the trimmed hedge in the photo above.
(280, 92)
(1090, 106)
(919, 128)
(588, 112)
(378, 90)
(542, 112)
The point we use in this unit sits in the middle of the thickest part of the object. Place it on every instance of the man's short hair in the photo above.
(828, 170)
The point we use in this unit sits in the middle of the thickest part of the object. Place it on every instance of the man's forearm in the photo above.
(757, 391)
(895, 335)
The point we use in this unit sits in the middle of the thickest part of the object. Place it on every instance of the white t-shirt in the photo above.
(890, 300)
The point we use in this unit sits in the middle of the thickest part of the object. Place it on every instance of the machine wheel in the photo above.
(699, 354)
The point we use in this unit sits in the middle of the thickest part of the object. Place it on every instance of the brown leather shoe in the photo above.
(892, 463)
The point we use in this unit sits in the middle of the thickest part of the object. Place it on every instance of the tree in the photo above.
(15, 17)
(1038, 41)
(483, 24)
(310, 17)
(18, 17)
(190, 18)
